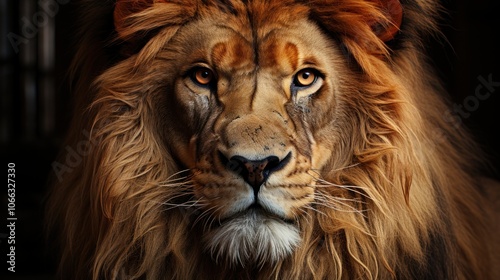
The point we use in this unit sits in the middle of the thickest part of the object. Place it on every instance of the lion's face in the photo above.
(250, 107)
(276, 139)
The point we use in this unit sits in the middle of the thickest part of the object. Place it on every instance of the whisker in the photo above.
(353, 189)
(187, 204)
(334, 203)
(356, 211)
(314, 210)
(357, 200)
(303, 211)
(206, 212)
(326, 184)
(176, 182)
(336, 170)
(179, 195)
(180, 172)
(208, 222)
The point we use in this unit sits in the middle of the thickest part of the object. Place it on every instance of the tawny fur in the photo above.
(412, 202)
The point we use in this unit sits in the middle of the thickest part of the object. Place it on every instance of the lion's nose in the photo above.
(255, 172)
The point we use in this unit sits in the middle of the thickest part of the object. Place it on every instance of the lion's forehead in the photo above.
(281, 50)
(259, 36)
(236, 53)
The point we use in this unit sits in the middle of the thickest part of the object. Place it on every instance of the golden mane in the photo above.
(410, 201)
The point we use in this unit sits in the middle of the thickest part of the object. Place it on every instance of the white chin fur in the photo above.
(252, 238)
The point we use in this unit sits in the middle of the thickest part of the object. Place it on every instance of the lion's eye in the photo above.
(202, 76)
(305, 77)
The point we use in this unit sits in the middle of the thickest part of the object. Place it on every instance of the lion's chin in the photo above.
(252, 238)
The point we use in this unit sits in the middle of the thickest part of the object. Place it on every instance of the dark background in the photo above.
(35, 107)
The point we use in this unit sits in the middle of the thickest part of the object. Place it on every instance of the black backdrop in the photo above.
(35, 104)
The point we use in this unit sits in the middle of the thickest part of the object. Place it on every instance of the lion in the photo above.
(277, 139)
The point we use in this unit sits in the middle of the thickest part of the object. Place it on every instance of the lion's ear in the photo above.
(393, 11)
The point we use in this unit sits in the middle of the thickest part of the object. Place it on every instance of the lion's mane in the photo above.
(407, 177)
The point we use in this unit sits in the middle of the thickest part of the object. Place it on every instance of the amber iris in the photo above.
(305, 77)
(203, 76)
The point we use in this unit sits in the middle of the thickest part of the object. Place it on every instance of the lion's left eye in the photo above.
(202, 76)
(305, 77)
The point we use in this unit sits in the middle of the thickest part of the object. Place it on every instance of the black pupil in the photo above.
(306, 75)
(205, 74)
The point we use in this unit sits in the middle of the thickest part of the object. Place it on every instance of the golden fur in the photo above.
(363, 178)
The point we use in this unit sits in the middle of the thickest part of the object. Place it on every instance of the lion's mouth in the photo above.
(256, 212)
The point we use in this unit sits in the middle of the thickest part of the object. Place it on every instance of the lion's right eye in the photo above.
(202, 76)
(306, 82)
(305, 78)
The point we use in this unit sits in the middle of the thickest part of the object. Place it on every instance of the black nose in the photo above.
(254, 172)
